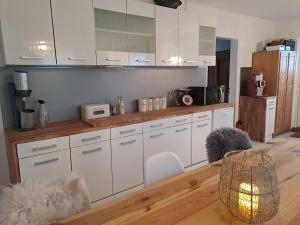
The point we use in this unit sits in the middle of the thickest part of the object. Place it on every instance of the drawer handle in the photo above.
(203, 125)
(157, 135)
(202, 117)
(181, 121)
(128, 142)
(91, 139)
(113, 60)
(77, 59)
(143, 60)
(91, 151)
(206, 62)
(190, 61)
(181, 130)
(272, 108)
(127, 131)
(44, 148)
(45, 162)
(157, 125)
(32, 57)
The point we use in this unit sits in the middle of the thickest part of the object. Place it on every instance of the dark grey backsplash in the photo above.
(65, 89)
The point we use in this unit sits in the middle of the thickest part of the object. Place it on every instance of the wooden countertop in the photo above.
(192, 198)
(71, 127)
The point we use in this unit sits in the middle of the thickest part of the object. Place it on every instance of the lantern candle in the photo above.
(248, 200)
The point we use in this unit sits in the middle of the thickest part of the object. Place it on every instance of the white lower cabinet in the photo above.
(181, 143)
(49, 165)
(200, 132)
(156, 142)
(127, 162)
(93, 162)
(223, 118)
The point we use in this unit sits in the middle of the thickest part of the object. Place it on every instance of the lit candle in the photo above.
(248, 204)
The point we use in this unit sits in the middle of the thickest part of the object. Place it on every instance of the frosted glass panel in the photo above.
(111, 33)
(141, 34)
(207, 42)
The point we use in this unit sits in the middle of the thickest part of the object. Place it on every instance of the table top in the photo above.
(193, 199)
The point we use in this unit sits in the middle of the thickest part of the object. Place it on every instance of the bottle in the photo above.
(121, 106)
(43, 114)
(118, 105)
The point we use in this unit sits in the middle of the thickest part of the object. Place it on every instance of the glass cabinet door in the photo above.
(207, 42)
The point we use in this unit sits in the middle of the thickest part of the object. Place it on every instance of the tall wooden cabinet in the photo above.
(278, 68)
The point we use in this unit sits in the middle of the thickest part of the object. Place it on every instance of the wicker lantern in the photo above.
(249, 186)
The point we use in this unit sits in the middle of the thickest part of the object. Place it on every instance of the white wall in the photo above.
(4, 172)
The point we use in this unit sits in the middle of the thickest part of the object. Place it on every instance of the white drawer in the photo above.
(41, 147)
(202, 116)
(179, 120)
(271, 102)
(126, 131)
(156, 125)
(89, 138)
(50, 165)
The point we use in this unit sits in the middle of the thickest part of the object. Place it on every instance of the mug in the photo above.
(27, 119)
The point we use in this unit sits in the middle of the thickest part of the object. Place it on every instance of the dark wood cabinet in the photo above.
(278, 68)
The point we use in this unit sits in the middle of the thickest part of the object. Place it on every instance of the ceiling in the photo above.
(269, 9)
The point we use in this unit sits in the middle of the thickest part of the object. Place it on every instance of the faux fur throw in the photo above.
(42, 202)
(224, 140)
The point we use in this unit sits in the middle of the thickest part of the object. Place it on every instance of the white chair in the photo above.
(162, 166)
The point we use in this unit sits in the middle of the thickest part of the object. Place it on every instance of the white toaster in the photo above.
(94, 111)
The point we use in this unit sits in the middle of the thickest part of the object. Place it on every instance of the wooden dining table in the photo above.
(193, 199)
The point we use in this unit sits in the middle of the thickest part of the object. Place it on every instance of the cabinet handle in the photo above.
(203, 125)
(91, 139)
(272, 108)
(202, 117)
(181, 121)
(157, 125)
(91, 151)
(181, 130)
(113, 60)
(143, 60)
(77, 59)
(207, 62)
(127, 131)
(45, 162)
(157, 135)
(32, 57)
(44, 148)
(128, 142)
(189, 61)
(166, 61)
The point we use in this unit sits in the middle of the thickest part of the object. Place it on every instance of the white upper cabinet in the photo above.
(166, 36)
(188, 38)
(141, 33)
(207, 46)
(27, 32)
(74, 31)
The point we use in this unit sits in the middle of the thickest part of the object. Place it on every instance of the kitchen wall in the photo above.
(66, 89)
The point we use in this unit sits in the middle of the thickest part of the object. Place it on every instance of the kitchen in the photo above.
(115, 61)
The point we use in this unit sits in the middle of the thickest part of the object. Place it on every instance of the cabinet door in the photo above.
(223, 118)
(201, 130)
(50, 165)
(156, 142)
(93, 162)
(127, 162)
(270, 119)
(27, 32)
(166, 36)
(181, 143)
(207, 46)
(74, 32)
(188, 38)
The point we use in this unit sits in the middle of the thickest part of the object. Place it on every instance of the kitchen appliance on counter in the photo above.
(207, 95)
(94, 111)
(24, 118)
(256, 85)
(182, 97)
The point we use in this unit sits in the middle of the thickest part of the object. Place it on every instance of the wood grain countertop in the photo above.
(71, 127)
(192, 198)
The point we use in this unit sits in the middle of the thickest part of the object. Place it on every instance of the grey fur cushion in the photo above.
(224, 140)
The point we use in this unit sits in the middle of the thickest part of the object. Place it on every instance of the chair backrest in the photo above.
(162, 166)
(224, 140)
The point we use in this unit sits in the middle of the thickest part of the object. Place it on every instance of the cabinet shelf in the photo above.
(124, 32)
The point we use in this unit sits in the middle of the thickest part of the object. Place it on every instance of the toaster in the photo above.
(94, 111)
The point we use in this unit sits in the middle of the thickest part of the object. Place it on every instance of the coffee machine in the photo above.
(19, 92)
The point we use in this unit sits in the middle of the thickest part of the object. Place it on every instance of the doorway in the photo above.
(220, 74)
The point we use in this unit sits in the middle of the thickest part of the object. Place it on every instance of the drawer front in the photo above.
(89, 138)
(223, 118)
(156, 125)
(271, 102)
(202, 116)
(50, 165)
(126, 131)
(127, 162)
(41, 147)
(93, 163)
(179, 120)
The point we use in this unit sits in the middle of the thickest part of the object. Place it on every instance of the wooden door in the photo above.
(281, 93)
(289, 91)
